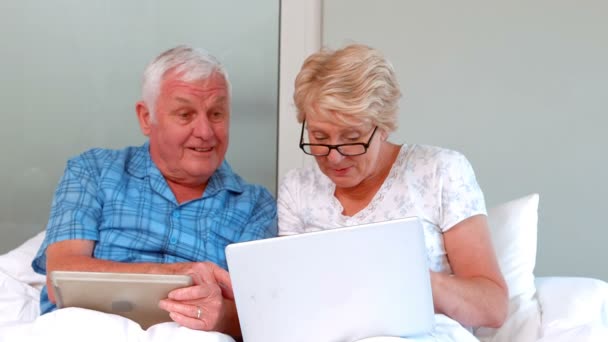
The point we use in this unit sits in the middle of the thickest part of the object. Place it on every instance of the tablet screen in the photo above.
(132, 295)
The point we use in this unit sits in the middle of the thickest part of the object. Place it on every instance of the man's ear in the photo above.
(144, 117)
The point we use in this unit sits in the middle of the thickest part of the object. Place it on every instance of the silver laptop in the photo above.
(343, 284)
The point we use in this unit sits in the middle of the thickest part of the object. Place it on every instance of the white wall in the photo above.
(70, 77)
(521, 87)
(300, 36)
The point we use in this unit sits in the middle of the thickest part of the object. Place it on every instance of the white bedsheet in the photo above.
(579, 315)
(75, 324)
(571, 309)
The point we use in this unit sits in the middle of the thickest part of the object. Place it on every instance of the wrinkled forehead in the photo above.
(212, 86)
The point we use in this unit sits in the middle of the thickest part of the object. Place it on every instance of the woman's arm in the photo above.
(476, 294)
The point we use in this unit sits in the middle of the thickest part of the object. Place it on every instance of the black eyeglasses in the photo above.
(349, 150)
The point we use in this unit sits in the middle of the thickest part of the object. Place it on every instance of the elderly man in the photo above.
(169, 206)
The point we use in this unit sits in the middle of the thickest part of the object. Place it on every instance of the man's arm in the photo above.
(212, 291)
(77, 255)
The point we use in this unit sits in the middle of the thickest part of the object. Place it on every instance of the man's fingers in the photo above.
(204, 271)
(189, 310)
(227, 291)
(223, 278)
(194, 292)
(189, 322)
(207, 274)
(195, 316)
(220, 274)
(196, 278)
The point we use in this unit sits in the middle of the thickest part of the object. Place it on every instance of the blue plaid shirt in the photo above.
(120, 200)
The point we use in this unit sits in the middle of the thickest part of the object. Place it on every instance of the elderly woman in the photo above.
(347, 102)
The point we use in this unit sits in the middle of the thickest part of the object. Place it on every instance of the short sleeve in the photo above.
(290, 223)
(461, 195)
(75, 210)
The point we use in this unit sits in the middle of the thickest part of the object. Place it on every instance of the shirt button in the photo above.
(176, 214)
(173, 240)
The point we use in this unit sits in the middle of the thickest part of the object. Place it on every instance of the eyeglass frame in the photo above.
(335, 147)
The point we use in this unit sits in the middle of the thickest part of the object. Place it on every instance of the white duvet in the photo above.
(561, 309)
(75, 324)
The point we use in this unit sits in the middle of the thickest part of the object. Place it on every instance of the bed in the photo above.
(542, 309)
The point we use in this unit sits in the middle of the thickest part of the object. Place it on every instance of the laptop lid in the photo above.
(336, 285)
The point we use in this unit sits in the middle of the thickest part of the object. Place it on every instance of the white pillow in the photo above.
(19, 284)
(570, 302)
(17, 263)
(513, 228)
(19, 302)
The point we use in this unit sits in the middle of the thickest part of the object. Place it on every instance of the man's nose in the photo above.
(202, 127)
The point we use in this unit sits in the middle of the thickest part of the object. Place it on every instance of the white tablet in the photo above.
(132, 295)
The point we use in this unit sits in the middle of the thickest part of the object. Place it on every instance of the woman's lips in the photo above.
(342, 171)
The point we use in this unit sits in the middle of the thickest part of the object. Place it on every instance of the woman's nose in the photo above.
(334, 156)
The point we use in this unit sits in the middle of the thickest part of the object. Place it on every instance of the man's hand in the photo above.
(208, 304)
(212, 290)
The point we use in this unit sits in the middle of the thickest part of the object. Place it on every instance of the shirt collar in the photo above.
(139, 163)
(224, 178)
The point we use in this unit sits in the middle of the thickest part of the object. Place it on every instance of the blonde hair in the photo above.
(352, 84)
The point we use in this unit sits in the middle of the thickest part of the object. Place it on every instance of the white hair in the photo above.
(191, 64)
